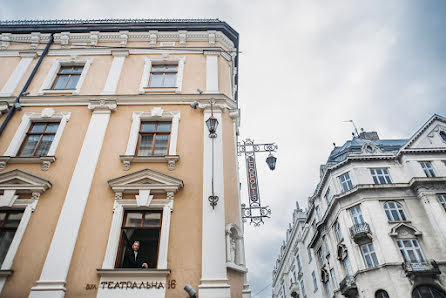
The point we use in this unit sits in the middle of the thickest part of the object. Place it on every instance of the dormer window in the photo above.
(443, 135)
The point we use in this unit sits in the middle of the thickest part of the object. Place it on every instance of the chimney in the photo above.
(369, 135)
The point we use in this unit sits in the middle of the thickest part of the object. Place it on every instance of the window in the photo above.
(321, 256)
(142, 226)
(442, 199)
(368, 253)
(9, 221)
(299, 265)
(411, 251)
(154, 138)
(427, 168)
(338, 232)
(309, 254)
(295, 277)
(428, 291)
(38, 139)
(443, 135)
(328, 288)
(314, 226)
(333, 279)
(381, 176)
(356, 215)
(346, 182)
(347, 266)
(67, 77)
(163, 76)
(318, 212)
(313, 275)
(394, 211)
(381, 294)
(302, 286)
(328, 196)
(327, 250)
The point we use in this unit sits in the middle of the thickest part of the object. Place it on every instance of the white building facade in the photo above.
(376, 224)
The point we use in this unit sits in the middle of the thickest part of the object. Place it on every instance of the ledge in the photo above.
(59, 91)
(236, 267)
(160, 90)
(133, 272)
(170, 159)
(46, 161)
(6, 273)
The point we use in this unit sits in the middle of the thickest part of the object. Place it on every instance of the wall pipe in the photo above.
(16, 104)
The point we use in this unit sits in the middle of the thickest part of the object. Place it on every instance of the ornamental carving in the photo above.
(341, 252)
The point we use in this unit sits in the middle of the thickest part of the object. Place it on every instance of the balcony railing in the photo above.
(360, 232)
(348, 287)
(421, 269)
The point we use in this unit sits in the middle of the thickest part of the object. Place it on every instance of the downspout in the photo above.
(16, 104)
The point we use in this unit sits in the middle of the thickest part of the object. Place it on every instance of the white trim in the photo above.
(165, 59)
(17, 75)
(52, 73)
(156, 114)
(47, 114)
(115, 72)
(55, 269)
(212, 72)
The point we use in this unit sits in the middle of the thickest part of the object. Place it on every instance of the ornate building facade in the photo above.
(116, 131)
(376, 224)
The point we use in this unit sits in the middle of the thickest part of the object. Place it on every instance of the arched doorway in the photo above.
(428, 291)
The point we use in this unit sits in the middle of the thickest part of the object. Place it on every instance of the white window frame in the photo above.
(156, 114)
(299, 264)
(328, 196)
(302, 286)
(169, 60)
(318, 212)
(328, 288)
(380, 176)
(310, 258)
(52, 74)
(333, 279)
(415, 248)
(338, 232)
(347, 266)
(356, 215)
(47, 115)
(327, 249)
(368, 253)
(442, 200)
(398, 209)
(313, 274)
(428, 168)
(347, 182)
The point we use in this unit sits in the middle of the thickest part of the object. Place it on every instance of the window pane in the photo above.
(30, 145)
(145, 145)
(38, 127)
(163, 127)
(156, 80)
(161, 145)
(44, 145)
(133, 219)
(170, 80)
(158, 68)
(78, 69)
(52, 127)
(13, 220)
(2, 217)
(72, 83)
(5, 241)
(152, 219)
(148, 127)
(171, 68)
(65, 69)
(61, 81)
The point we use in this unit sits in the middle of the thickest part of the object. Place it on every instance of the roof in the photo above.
(355, 145)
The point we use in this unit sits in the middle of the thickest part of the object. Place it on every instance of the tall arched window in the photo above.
(443, 135)
(381, 294)
(394, 211)
(428, 291)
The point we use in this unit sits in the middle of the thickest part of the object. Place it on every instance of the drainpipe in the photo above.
(16, 104)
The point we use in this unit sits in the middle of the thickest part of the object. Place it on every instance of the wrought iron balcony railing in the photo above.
(348, 287)
(413, 269)
(360, 232)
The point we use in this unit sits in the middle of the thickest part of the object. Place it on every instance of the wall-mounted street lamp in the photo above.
(212, 122)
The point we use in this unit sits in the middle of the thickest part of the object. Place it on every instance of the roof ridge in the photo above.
(107, 21)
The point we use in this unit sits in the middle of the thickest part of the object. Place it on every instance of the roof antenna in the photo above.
(354, 126)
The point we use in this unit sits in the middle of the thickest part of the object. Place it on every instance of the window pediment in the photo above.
(404, 230)
(23, 182)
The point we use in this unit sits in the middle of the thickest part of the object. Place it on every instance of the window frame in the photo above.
(169, 60)
(313, 275)
(328, 196)
(164, 73)
(333, 279)
(398, 209)
(154, 134)
(428, 169)
(338, 232)
(42, 134)
(357, 215)
(381, 178)
(442, 200)
(346, 182)
(417, 251)
(60, 73)
(7, 213)
(368, 253)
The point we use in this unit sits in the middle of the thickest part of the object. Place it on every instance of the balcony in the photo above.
(428, 269)
(361, 233)
(348, 287)
(294, 290)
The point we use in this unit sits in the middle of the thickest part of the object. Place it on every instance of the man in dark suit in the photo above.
(133, 259)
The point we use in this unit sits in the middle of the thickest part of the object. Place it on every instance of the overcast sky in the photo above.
(305, 67)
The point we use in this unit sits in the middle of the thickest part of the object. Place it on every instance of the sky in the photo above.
(305, 67)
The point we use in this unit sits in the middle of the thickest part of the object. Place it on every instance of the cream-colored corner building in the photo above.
(376, 225)
(100, 147)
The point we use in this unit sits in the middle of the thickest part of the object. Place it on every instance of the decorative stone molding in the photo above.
(35, 39)
(124, 36)
(46, 161)
(164, 59)
(152, 38)
(64, 39)
(103, 105)
(182, 37)
(94, 38)
(235, 255)
(212, 38)
(6, 40)
(404, 231)
(4, 107)
(341, 251)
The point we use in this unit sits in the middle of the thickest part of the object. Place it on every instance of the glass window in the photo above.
(163, 76)
(443, 135)
(142, 226)
(428, 291)
(346, 182)
(313, 275)
(328, 196)
(9, 221)
(427, 168)
(309, 254)
(67, 77)
(329, 290)
(381, 294)
(38, 139)
(347, 266)
(327, 250)
(394, 211)
(381, 176)
(299, 265)
(411, 251)
(154, 138)
(442, 199)
(321, 256)
(338, 232)
(368, 253)
(356, 215)
(295, 277)
(302, 286)
(333, 279)
(318, 212)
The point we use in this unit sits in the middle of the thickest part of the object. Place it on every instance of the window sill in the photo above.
(46, 161)
(170, 159)
(398, 221)
(59, 91)
(6, 273)
(132, 272)
(160, 90)
(236, 267)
